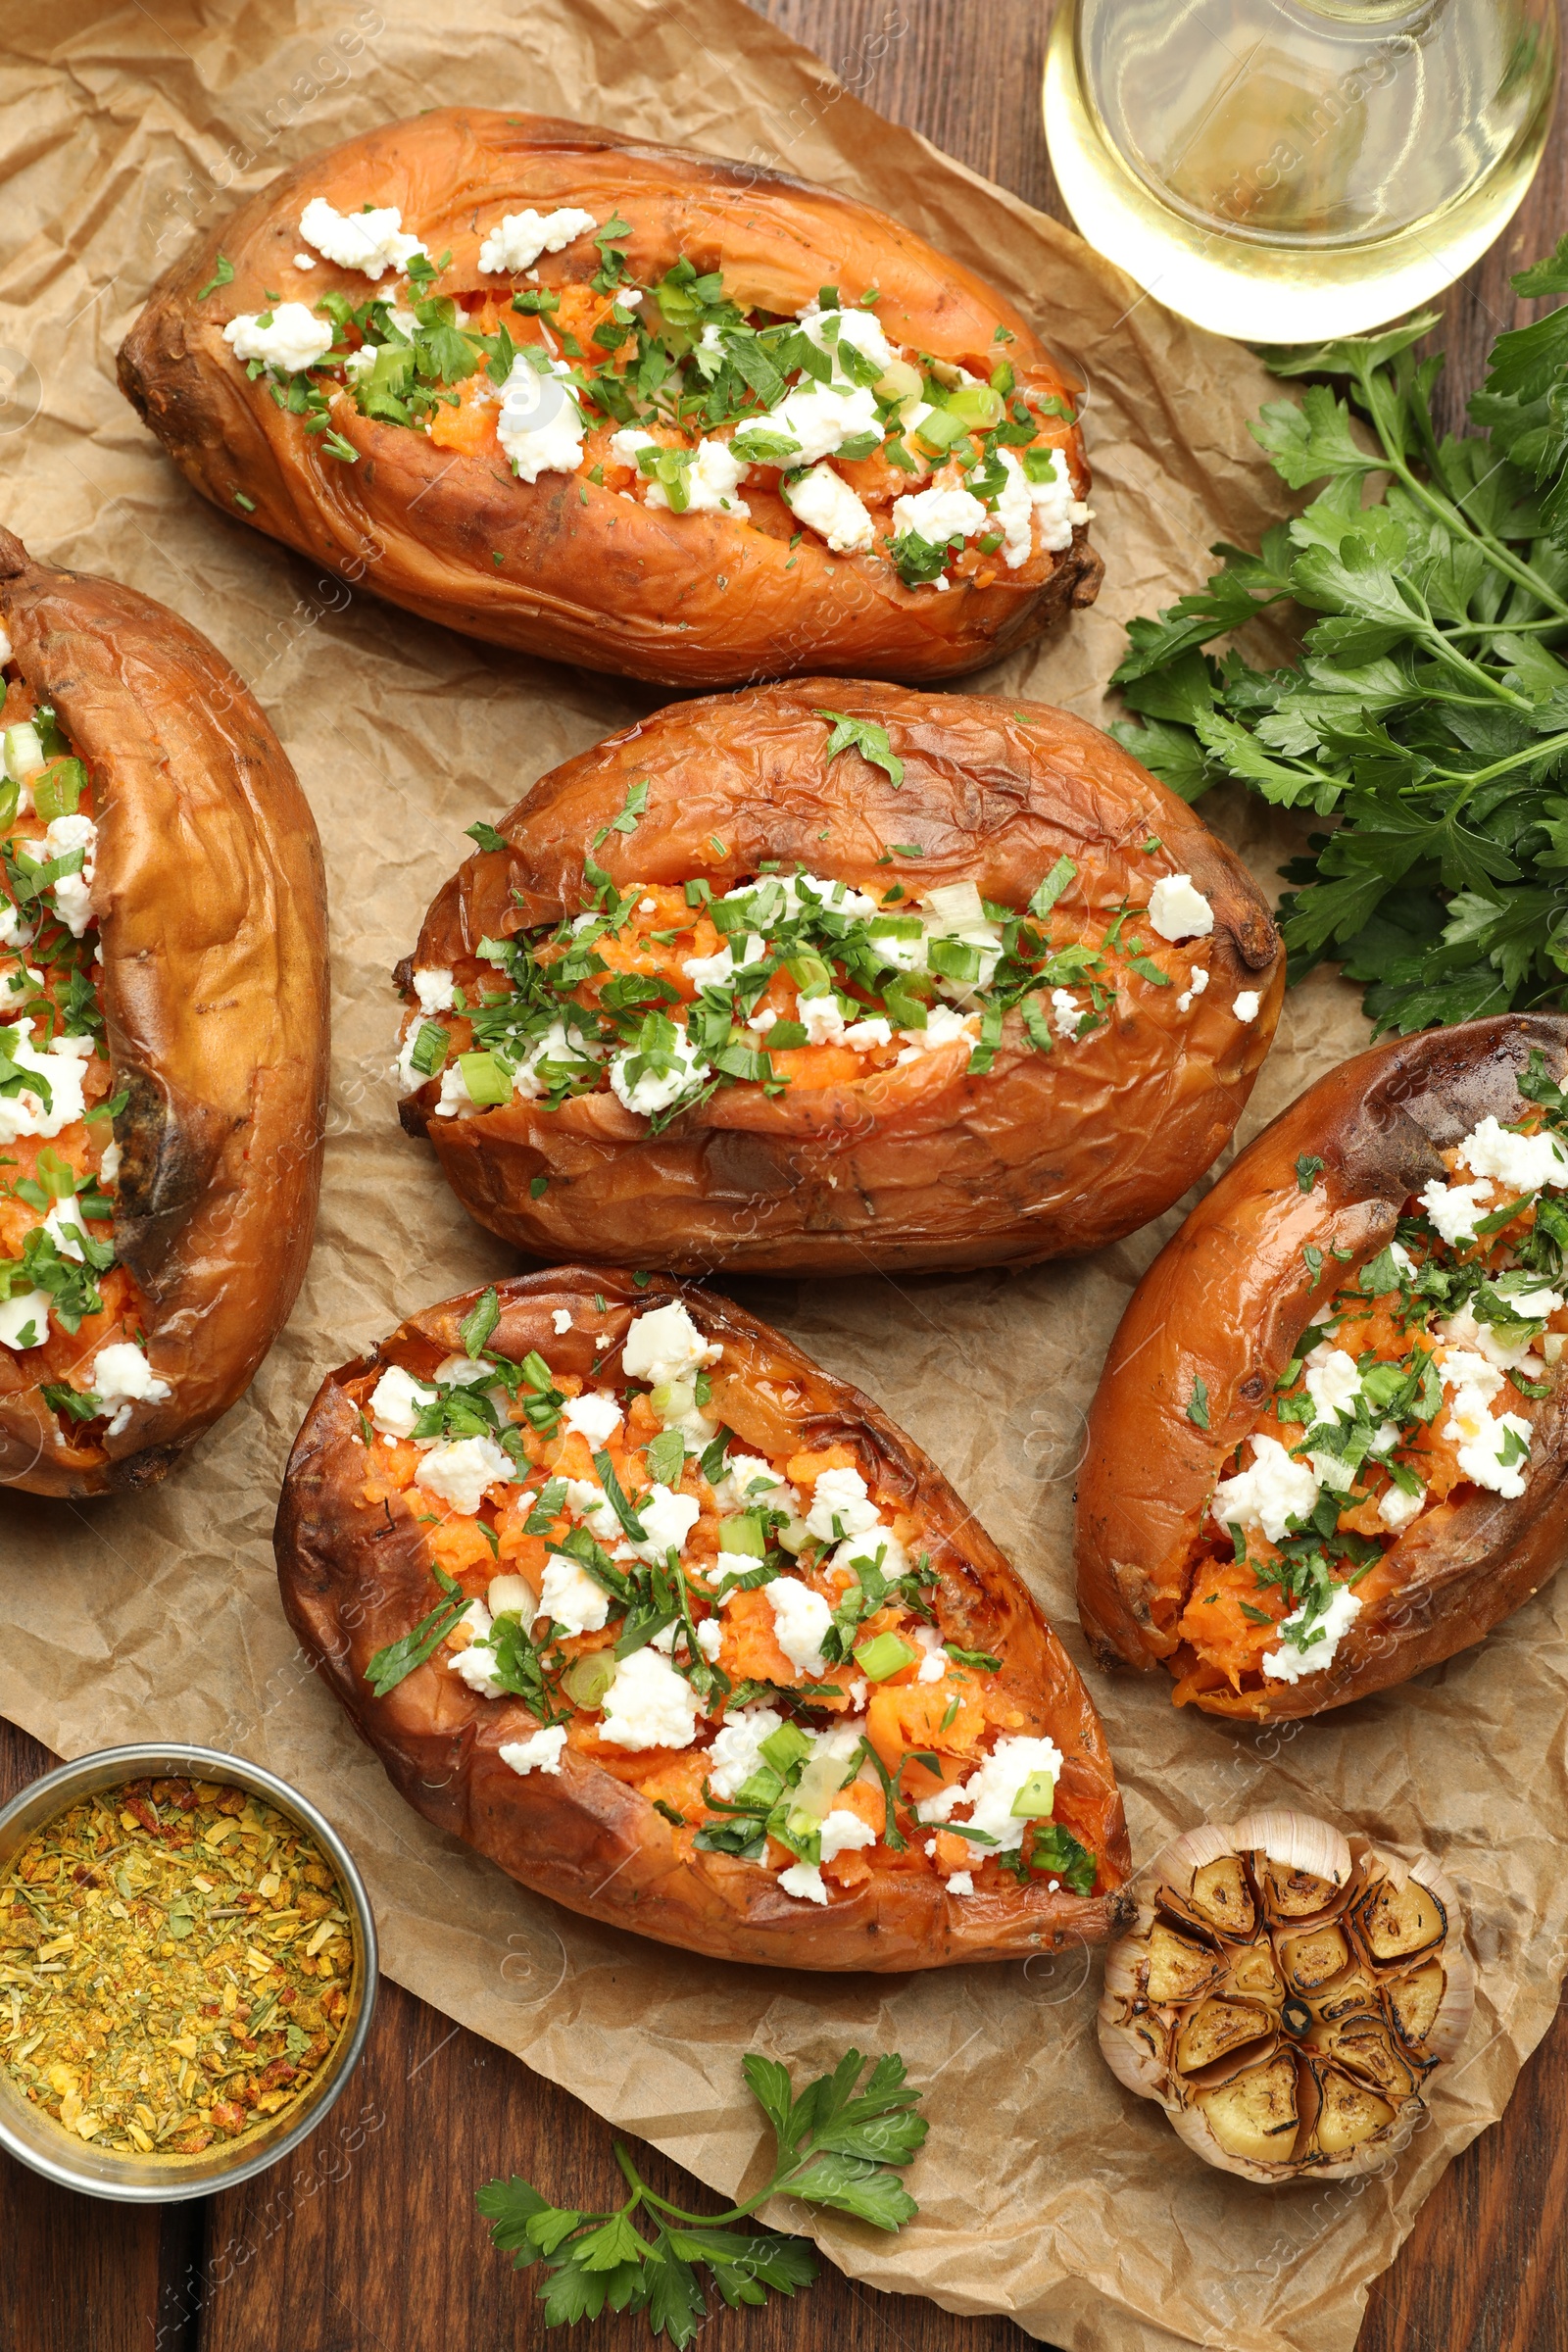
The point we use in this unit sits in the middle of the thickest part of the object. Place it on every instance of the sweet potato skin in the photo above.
(1225, 1302)
(354, 1577)
(210, 905)
(695, 601)
(1044, 1155)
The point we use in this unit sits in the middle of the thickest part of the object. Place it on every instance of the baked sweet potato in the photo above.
(1328, 1447)
(162, 1033)
(624, 404)
(831, 975)
(630, 1594)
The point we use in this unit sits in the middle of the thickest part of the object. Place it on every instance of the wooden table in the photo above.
(369, 2242)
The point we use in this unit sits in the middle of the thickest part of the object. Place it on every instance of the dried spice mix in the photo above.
(176, 1961)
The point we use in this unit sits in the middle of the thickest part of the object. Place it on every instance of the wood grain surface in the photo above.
(367, 2241)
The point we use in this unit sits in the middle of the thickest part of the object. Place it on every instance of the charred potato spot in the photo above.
(1256, 2115)
(1285, 2047)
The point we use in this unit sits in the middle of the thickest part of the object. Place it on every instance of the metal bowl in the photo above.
(37, 2139)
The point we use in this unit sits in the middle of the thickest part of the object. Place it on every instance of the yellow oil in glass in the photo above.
(1289, 169)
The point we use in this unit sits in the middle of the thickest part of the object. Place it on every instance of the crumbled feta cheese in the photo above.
(371, 242)
(1015, 513)
(1483, 1438)
(840, 1506)
(878, 1547)
(863, 1037)
(1178, 911)
(454, 1090)
(570, 1597)
(990, 1793)
(737, 1749)
(560, 1319)
(962, 1882)
(109, 1165)
(1396, 1508)
(805, 1880)
(934, 1658)
(291, 340)
(821, 417)
(555, 1046)
(1454, 1208)
(944, 1024)
(598, 1417)
(669, 1519)
(824, 502)
(844, 1833)
(938, 1807)
(396, 1400)
(62, 1224)
(61, 1066)
(710, 1638)
(1459, 1368)
(457, 1470)
(938, 514)
(539, 426)
(1463, 1332)
(539, 1752)
(25, 1318)
(73, 893)
(649, 1705)
(1246, 1005)
(1287, 1664)
(1196, 986)
(305, 261)
(665, 1345)
(712, 483)
(435, 990)
(790, 892)
(521, 238)
(1522, 1162)
(466, 1372)
(1056, 506)
(1068, 1011)
(822, 1018)
(717, 971)
(473, 1662)
(1333, 1382)
(749, 1480)
(801, 1620)
(122, 1377)
(587, 1500)
(1269, 1493)
(831, 330)
(656, 1090)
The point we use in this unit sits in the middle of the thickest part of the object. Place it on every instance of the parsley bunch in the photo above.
(1427, 713)
(837, 2146)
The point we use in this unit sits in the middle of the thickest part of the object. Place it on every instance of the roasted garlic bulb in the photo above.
(1285, 1993)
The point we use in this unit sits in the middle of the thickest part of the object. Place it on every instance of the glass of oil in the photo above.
(1291, 170)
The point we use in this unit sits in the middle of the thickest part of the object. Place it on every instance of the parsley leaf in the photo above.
(841, 2143)
(1425, 715)
(869, 739)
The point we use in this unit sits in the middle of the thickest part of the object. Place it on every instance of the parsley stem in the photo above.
(1446, 510)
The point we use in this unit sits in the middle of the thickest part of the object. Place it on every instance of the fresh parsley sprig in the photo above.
(837, 2146)
(1427, 713)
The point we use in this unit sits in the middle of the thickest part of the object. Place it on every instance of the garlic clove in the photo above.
(1255, 2114)
(1215, 2029)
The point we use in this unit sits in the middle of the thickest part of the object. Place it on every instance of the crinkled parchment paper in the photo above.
(1046, 2191)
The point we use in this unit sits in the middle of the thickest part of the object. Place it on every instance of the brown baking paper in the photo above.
(1046, 2191)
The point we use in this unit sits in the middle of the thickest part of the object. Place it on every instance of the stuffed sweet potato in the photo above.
(623, 405)
(630, 1594)
(826, 976)
(1329, 1445)
(162, 1033)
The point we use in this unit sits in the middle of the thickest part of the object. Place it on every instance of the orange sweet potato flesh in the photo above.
(1224, 1303)
(356, 1576)
(927, 1165)
(585, 576)
(211, 906)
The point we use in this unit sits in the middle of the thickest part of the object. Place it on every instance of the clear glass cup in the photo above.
(1289, 169)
